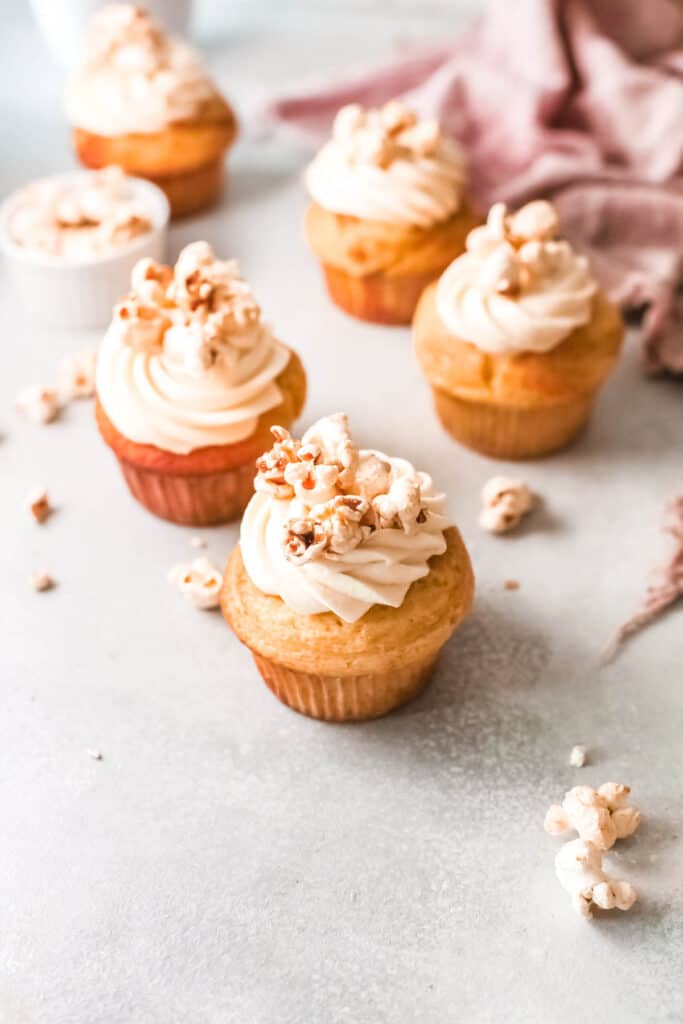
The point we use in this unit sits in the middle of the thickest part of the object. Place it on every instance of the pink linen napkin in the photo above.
(577, 100)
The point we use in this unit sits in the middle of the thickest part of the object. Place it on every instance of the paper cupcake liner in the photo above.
(506, 432)
(379, 298)
(198, 500)
(344, 698)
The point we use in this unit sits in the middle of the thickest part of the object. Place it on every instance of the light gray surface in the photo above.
(229, 861)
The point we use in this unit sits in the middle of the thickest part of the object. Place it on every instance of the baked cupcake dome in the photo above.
(189, 381)
(389, 210)
(143, 101)
(348, 579)
(516, 339)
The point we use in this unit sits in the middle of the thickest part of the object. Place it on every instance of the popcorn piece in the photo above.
(141, 325)
(537, 220)
(578, 865)
(373, 476)
(197, 542)
(77, 374)
(313, 485)
(505, 502)
(200, 582)
(331, 436)
(577, 756)
(380, 136)
(270, 467)
(41, 580)
(38, 504)
(42, 405)
(396, 116)
(335, 526)
(598, 817)
(349, 119)
(151, 280)
(400, 506)
(304, 539)
(625, 817)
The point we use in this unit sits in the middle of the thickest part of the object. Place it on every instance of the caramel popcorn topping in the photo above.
(340, 495)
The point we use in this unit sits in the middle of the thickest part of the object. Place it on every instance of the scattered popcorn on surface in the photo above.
(518, 249)
(41, 580)
(579, 869)
(77, 374)
(341, 496)
(578, 756)
(504, 503)
(380, 136)
(200, 582)
(600, 816)
(42, 405)
(201, 311)
(38, 504)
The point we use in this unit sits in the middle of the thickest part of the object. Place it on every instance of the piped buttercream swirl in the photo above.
(517, 288)
(335, 528)
(386, 165)
(135, 78)
(187, 362)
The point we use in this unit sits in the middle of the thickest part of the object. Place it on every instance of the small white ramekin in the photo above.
(81, 295)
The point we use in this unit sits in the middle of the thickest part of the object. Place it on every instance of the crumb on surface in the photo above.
(38, 503)
(96, 755)
(578, 756)
(511, 584)
(41, 580)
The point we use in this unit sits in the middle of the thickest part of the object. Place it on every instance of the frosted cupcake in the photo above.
(143, 101)
(348, 579)
(516, 338)
(189, 382)
(389, 210)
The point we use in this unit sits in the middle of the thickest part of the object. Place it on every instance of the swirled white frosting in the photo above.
(348, 572)
(135, 79)
(187, 362)
(517, 288)
(387, 166)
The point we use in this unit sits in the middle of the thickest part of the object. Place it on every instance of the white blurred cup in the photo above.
(63, 23)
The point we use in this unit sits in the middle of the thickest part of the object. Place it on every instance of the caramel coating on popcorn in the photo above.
(340, 496)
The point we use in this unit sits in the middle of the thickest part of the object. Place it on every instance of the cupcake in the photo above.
(142, 100)
(348, 579)
(389, 210)
(189, 382)
(516, 338)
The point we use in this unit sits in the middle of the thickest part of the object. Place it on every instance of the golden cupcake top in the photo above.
(333, 527)
(134, 77)
(188, 361)
(518, 287)
(80, 218)
(386, 164)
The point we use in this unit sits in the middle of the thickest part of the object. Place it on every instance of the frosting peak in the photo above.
(135, 78)
(385, 164)
(335, 528)
(187, 361)
(517, 287)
